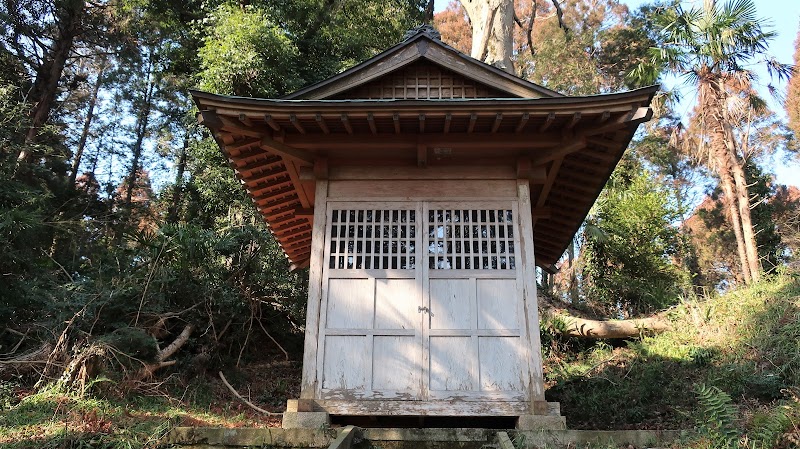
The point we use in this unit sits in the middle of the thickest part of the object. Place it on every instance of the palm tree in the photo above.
(711, 47)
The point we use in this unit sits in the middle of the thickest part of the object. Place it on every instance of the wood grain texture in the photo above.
(308, 383)
(530, 310)
(410, 189)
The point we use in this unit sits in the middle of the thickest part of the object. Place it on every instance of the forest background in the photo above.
(134, 264)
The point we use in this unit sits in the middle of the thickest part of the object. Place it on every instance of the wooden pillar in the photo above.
(531, 299)
(308, 385)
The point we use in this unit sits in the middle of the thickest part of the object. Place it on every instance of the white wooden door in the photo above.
(422, 301)
(474, 334)
(371, 324)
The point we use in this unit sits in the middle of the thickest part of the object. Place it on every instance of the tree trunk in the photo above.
(142, 126)
(45, 87)
(715, 105)
(492, 31)
(172, 216)
(729, 199)
(597, 329)
(87, 123)
(743, 201)
(143, 106)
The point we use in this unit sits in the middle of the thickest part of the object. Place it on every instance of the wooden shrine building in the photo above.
(421, 188)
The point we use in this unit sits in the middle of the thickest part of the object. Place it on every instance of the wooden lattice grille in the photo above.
(422, 81)
(372, 239)
(471, 239)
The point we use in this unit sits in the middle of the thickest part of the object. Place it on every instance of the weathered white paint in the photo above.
(395, 364)
(497, 304)
(530, 309)
(349, 304)
(395, 307)
(455, 336)
(309, 385)
(341, 369)
(451, 304)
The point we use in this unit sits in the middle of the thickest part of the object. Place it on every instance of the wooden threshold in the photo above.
(423, 408)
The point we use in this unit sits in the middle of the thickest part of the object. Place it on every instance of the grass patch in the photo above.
(57, 419)
(744, 344)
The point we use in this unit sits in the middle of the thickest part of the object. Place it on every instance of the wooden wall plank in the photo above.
(531, 309)
(308, 384)
(420, 189)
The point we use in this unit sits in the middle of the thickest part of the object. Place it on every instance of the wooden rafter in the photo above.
(271, 122)
(296, 123)
(498, 119)
(522, 121)
(551, 117)
(346, 122)
(321, 123)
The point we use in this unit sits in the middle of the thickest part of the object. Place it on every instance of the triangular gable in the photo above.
(422, 49)
(422, 80)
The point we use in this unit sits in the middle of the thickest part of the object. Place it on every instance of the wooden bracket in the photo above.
(536, 174)
(209, 119)
(524, 167)
(559, 151)
(550, 268)
(284, 150)
(317, 172)
(304, 212)
(422, 155)
(321, 168)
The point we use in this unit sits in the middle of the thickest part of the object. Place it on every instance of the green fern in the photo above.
(768, 428)
(719, 416)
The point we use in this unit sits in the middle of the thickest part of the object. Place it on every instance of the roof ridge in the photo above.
(426, 29)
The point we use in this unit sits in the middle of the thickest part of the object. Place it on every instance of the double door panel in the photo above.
(421, 301)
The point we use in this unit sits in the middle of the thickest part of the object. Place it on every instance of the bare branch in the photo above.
(529, 30)
(246, 402)
(176, 345)
(286, 354)
(560, 15)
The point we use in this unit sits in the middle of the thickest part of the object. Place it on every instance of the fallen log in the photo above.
(599, 329)
(572, 323)
(26, 363)
(149, 369)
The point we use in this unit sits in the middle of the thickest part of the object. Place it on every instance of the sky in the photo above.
(783, 17)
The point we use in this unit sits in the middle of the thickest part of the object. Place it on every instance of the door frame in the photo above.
(422, 275)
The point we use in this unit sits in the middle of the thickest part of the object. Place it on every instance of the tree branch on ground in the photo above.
(163, 354)
(569, 324)
(245, 401)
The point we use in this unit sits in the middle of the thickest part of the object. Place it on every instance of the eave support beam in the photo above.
(284, 150)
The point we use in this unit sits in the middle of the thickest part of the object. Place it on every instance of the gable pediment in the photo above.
(422, 58)
(421, 80)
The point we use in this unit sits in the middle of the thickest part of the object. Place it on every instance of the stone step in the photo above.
(394, 438)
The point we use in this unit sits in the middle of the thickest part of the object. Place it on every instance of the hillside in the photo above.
(746, 344)
(742, 347)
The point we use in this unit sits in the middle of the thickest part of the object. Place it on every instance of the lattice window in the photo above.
(372, 239)
(422, 81)
(471, 239)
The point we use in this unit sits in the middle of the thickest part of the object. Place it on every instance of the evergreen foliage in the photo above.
(150, 234)
(629, 243)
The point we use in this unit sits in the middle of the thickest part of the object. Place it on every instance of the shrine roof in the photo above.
(401, 114)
